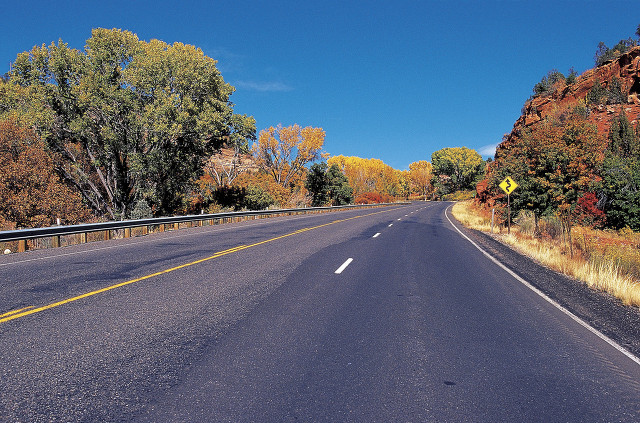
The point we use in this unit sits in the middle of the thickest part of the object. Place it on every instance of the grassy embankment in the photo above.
(605, 260)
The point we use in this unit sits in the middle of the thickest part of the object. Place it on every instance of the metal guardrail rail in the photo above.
(22, 235)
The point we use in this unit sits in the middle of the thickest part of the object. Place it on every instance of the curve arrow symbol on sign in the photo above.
(508, 185)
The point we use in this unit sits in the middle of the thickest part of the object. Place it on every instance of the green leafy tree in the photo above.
(623, 140)
(131, 119)
(620, 187)
(456, 169)
(328, 185)
(339, 190)
(317, 184)
(597, 93)
(256, 198)
(615, 94)
(620, 191)
(546, 85)
(572, 77)
(603, 54)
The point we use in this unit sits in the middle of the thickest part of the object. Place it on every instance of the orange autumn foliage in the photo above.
(373, 198)
(31, 193)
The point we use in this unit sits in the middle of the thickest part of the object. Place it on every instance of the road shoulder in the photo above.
(602, 311)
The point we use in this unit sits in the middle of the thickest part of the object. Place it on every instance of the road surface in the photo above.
(374, 315)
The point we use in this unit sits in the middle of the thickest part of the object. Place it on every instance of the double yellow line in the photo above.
(16, 314)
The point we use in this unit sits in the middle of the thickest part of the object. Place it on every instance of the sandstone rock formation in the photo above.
(625, 67)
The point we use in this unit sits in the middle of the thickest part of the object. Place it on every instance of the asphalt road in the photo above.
(419, 326)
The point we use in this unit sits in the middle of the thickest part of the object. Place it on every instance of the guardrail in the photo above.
(55, 232)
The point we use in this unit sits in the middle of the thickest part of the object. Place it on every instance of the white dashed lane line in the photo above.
(344, 266)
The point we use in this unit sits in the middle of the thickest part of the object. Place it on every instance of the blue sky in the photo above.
(394, 80)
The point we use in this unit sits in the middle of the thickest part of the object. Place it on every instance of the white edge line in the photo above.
(376, 235)
(584, 324)
(344, 266)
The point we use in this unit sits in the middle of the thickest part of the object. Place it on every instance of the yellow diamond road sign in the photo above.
(508, 185)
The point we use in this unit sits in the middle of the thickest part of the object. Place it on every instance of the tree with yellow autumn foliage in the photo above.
(420, 175)
(368, 175)
(283, 152)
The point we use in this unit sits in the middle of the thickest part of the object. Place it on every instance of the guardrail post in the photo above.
(145, 230)
(127, 232)
(83, 238)
(107, 235)
(55, 241)
(176, 226)
(22, 246)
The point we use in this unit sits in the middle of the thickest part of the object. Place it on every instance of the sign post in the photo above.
(508, 186)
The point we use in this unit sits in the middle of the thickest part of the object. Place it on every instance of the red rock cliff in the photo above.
(625, 67)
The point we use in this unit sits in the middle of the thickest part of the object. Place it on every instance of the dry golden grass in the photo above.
(604, 260)
(470, 216)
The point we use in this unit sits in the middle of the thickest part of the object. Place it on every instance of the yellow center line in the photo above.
(16, 314)
(9, 313)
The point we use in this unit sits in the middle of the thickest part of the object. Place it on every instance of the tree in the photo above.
(572, 77)
(31, 193)
(549, 82)
(456, 169)
(283, 152)
(404, 183)
(619, 190)
(615, 94)
(257, 198)
(131, 119)
(603, 54)
(328, 185)
(623, 141)
(368, 175)
(420, 176)
(339, 190)
(224, 170)
(317, 184)
(554, 163)
(597, 93)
